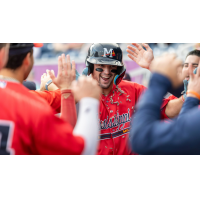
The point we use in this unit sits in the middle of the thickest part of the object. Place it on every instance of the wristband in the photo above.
(66, 91)
(194, 93)
(47, 84)
(63, 92)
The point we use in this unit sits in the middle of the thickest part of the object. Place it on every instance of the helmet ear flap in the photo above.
(118, 78)
(90, 67)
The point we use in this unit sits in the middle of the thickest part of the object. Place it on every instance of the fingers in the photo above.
(139, 47)
(73, 70)
(146, 46)
(132, 58)
(68, 64)
(132, 49)
(198, 69)
(64, 63)
(52, 76)
(47, 72)
(132, 53)
(191, 74)
(53, 72)
(60, 66)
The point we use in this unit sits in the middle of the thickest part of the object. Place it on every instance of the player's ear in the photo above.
(4, 56)
(27, 60)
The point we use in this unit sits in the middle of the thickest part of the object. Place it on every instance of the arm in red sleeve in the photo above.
(53, 98)
(171, 107)
(68, 108)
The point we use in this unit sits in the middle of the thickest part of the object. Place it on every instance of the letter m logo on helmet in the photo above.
(109, 53)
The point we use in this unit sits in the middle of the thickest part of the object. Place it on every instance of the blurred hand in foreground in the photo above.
(86, 87)
(194, 82)
(170, 66)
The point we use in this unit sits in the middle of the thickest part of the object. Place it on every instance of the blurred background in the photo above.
(46, 58)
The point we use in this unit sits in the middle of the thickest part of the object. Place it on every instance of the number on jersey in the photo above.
(6, 132)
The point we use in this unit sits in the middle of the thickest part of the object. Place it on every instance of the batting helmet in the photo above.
(106, 54)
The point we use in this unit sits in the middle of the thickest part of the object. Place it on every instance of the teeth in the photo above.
(105, 77)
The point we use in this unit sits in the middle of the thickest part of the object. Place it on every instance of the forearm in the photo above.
(68, 108)
(173, 107)
(87, 125)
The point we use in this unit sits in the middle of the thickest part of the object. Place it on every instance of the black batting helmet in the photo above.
(106, 54)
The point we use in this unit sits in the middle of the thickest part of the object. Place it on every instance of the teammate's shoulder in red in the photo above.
(130, 84)
(23, 96)
(171, 97)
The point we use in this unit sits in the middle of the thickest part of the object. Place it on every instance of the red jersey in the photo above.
(52, 97)
(28, 125)
(164, 104)
(116, 111)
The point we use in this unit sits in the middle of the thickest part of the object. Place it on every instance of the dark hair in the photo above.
(16, 61)
(2, 45)
(194, 53)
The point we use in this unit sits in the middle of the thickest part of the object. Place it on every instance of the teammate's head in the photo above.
(20, 58)
(104, 62)
(4, 49)
(191, 61)
(22, 61)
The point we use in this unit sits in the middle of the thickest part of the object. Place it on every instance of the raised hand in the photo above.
(169, 66)
(139, 55)
(44, 79)
(86, 87)
(66, 73)
(194, 82)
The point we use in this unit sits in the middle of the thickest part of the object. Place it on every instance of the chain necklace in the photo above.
(8, 78)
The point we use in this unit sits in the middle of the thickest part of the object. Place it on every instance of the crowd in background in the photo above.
(79, 50)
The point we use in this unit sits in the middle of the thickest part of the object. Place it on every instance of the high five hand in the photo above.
(66, 73)
(139, 55)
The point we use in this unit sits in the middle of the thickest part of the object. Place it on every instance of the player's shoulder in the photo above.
(23, 97)
(169, 96)
(125, 84)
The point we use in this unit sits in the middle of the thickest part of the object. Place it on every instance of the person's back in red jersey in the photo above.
(28, 125)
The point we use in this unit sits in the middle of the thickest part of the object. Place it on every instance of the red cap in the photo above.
(38, 44)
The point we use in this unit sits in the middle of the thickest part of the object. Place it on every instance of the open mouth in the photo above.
(105, 79)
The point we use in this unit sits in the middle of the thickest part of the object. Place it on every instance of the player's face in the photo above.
(190, 62)
(104, 78)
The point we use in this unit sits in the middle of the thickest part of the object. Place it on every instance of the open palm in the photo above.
(142, 57)
(66, 73)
